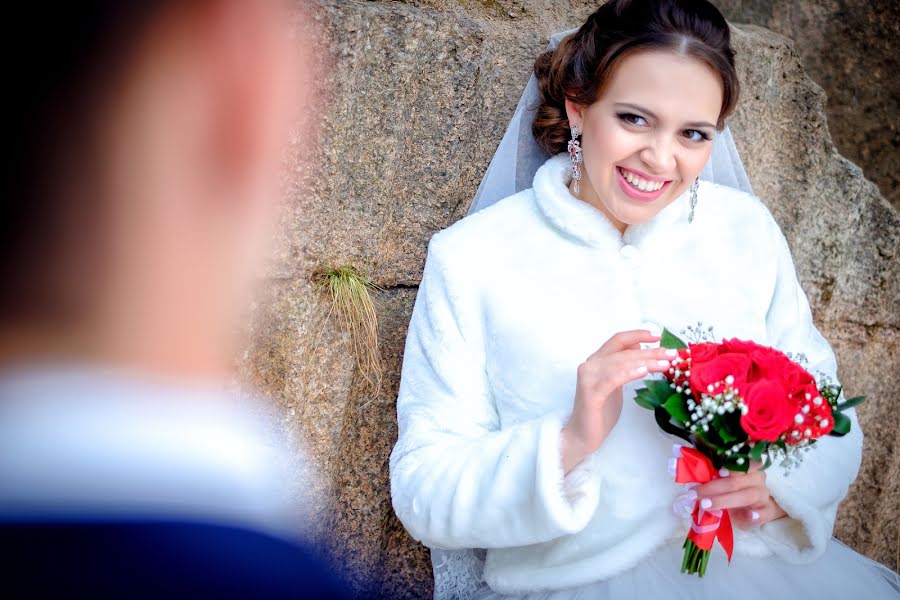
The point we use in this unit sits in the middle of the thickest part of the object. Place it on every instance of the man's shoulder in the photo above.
(148, 557)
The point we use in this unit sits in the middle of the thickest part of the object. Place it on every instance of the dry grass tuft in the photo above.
(352, 302)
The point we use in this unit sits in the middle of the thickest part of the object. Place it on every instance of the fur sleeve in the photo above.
(457, 479)
(811, 492)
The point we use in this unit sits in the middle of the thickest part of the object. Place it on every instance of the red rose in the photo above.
(797, 377)
(741, 346)
(770, 364)
(703, 352)
(770, 412)
(716, 370)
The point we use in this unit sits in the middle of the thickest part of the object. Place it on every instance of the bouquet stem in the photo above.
(695, 559)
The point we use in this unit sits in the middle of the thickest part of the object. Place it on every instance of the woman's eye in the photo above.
(695, 135)
(632, 119)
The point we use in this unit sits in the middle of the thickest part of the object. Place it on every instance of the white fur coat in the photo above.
(512, 299)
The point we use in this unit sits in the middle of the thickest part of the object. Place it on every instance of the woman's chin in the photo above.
(635, 213)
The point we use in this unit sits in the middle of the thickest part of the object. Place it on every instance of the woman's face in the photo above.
(649, 135)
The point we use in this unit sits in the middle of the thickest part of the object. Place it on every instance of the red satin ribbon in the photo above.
(694, 467)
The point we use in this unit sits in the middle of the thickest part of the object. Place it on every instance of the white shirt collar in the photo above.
(85, 442)
(581, 221)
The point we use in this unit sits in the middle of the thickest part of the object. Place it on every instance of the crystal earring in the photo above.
(694, 187)
(575, 155)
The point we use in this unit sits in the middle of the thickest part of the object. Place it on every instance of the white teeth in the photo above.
(641, 184)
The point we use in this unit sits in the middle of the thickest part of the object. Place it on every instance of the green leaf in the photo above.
(712, 440)
(841, 425)
(758, 449)
(647, 399)
(661, 389)
(850, 403)
(665, 423)
(670, 340)
(731, 422)
(725, 434)
(732, 463)
(676, 406)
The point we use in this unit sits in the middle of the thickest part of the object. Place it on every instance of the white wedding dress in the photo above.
(840, 573)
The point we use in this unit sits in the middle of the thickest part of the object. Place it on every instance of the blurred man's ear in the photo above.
(252, 65)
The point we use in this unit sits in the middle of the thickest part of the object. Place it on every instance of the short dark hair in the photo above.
(62, 60)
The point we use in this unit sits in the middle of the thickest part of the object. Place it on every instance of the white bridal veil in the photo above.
(458, 573)
(518, 157)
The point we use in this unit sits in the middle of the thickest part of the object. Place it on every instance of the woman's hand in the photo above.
(745, 495)
(598, 392)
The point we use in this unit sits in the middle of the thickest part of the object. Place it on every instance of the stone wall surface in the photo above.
(849, 47)
(416, 98)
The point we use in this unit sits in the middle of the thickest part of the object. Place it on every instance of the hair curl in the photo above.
(580, 67)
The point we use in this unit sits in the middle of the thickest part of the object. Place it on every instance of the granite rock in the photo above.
(849, 47)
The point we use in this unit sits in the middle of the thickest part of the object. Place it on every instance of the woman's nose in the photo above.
(659, 156)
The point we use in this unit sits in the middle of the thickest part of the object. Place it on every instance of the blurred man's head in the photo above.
(146, 141)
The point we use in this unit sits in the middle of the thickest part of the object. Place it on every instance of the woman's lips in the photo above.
(633, 192)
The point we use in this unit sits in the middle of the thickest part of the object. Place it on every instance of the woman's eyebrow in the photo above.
(653, 116)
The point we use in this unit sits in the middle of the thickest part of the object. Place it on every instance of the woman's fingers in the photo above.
(756, 514)
(619, 372)
(733, 482)
(655, 359)
(607, 369)
(632, 358)
(755, 466)
(741, 498)
(625, 339)
(654, 354)
(748, 518)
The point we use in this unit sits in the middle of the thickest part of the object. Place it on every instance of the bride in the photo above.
(522, 459)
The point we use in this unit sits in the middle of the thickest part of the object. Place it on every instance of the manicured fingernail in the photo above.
(641, 370)
(754, 515)
(671, 352)
(706, 503)
(723, 472)
(663, 363)
(691, 494)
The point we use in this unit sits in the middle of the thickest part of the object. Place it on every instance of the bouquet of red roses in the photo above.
(734, 402)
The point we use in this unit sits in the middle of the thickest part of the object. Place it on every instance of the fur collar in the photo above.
(579, 220)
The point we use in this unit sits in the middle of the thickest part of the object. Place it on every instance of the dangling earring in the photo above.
(694, 187)
(575, 155)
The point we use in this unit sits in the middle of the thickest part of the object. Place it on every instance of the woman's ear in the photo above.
(575, 113)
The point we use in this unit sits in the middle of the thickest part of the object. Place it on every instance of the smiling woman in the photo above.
(645, 107)
(532, 329)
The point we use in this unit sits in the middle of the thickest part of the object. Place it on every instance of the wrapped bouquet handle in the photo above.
(707, 525)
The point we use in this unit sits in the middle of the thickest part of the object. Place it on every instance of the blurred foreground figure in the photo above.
(146, 140)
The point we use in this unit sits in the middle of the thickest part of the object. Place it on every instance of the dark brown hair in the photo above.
(580, 67)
